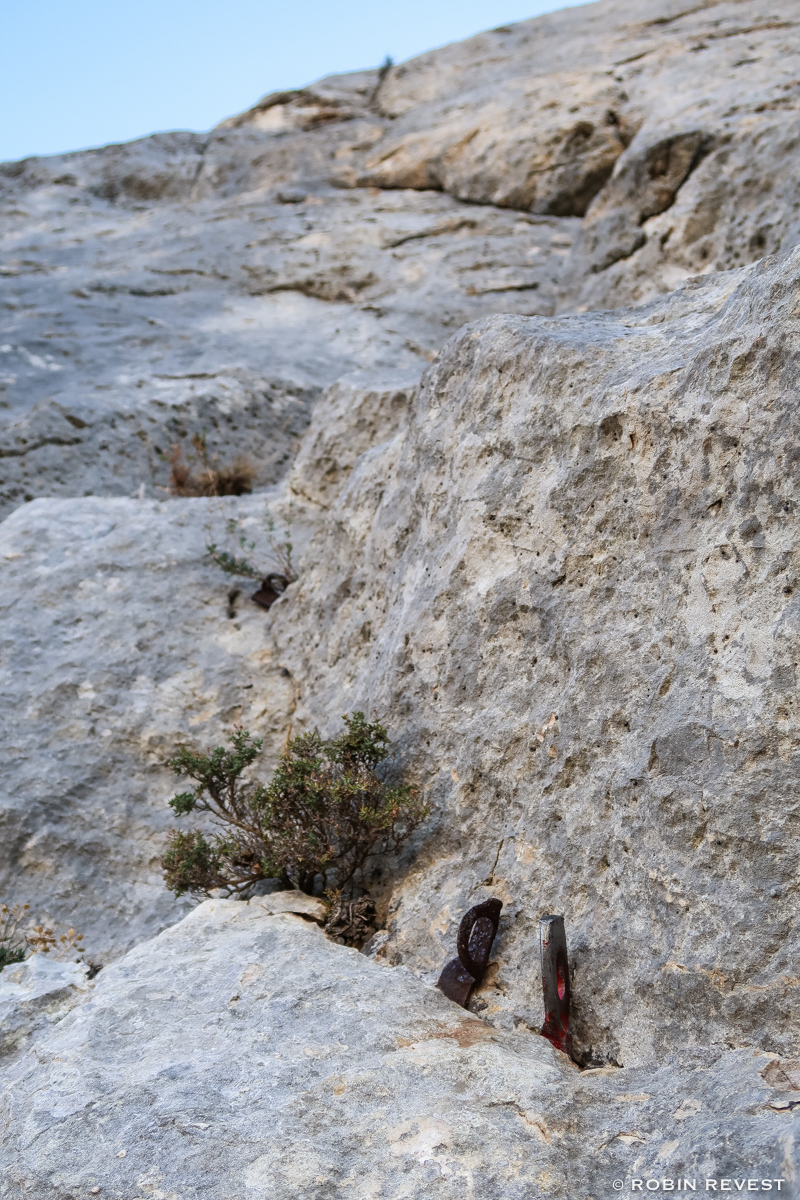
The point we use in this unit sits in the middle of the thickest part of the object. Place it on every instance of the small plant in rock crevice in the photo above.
(17, 943)
(327, 813)
(236, 561)
(279, 551)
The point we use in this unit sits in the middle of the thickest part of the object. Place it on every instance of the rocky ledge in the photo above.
(241, 1053)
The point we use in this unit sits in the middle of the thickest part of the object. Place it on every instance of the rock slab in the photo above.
(37, 992)
(243, 1054)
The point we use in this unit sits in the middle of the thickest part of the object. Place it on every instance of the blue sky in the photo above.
(77, 73)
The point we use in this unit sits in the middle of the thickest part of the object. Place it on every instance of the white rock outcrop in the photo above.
(35, 993)
(244, 1054)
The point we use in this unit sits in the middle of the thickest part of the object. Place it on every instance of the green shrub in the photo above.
(13, 943)
(326, 811)
(10, 954)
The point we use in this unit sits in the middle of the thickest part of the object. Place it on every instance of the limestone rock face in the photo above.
(548, 538)
(569, 588)
(118, 640)
(615, 113)
(353, 418)
(215, 283)
(244, 1054)
(128, 329)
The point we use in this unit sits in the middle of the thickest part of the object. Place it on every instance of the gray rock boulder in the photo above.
(569, 590)
(241, 1053)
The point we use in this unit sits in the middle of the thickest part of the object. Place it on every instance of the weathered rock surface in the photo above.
(353, 418)
(616, 112)
(216, 282)
(127, 331)
(569, 588)
(562, 569)
(243, 1054)
(36, 993)
(118, 639)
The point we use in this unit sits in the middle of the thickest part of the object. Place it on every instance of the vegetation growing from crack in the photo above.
(326, 814)
(237, 562)
(17, 943)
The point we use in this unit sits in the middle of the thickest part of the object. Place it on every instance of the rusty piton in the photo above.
(555, 982)
(476, 934)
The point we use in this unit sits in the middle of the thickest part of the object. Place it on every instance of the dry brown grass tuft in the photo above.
(204, 476)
